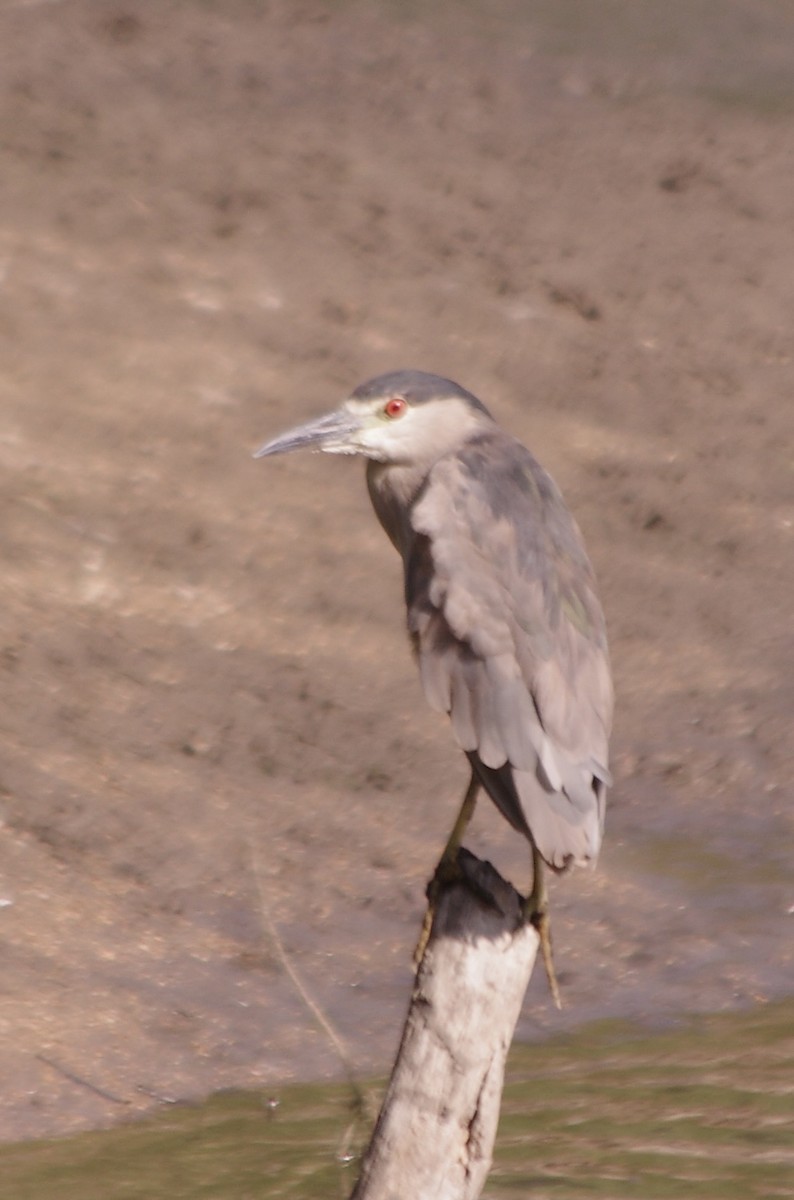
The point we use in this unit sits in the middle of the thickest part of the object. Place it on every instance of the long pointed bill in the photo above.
(332, 433)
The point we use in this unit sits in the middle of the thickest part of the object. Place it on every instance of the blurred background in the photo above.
(215, 220)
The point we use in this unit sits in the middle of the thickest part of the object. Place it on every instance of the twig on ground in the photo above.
(73, 1077)
(362, 1106)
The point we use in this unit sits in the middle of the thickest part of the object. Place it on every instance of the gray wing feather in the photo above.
(563, 831)
(462, 712)
(510, 640)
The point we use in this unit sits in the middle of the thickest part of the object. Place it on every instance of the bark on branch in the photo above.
(434, 1137)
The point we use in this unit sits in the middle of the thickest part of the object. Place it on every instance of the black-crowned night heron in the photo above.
(502, 609)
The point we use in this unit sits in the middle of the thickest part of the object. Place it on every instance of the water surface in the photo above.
(704, 1111)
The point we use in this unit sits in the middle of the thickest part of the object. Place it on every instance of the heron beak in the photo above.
(333, 433)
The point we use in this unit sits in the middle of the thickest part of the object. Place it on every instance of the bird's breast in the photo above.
(393, 491)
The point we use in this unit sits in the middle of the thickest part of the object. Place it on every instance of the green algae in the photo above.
(704, 1111)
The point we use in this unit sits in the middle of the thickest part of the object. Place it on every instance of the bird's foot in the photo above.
(424, 937)
(539, 917)
(447, 871)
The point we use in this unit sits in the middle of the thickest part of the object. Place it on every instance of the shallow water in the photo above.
(702, 1111)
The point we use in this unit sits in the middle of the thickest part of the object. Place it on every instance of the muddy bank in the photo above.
(216, 220)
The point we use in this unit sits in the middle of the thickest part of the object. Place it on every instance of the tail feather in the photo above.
(565, 828)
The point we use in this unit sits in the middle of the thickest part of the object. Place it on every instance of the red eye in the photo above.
(394, 407)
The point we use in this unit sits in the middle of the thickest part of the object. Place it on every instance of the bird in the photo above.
(502, 612)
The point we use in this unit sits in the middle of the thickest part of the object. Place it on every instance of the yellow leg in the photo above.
(465, 815)
(447, 865)
(536, 910)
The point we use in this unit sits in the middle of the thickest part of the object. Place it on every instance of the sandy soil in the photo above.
(216, 219)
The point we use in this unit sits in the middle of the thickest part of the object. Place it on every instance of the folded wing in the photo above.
(510, 640)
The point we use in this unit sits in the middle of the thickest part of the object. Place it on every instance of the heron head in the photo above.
(403, 417)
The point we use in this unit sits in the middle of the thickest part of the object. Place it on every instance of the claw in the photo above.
(536, 911)
(447, 868)
(541, 922)
(445, 873)
(424, 936)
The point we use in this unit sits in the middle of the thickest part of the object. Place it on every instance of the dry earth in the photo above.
(215, 219)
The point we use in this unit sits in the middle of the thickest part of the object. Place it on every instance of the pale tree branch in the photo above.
(435, 1134)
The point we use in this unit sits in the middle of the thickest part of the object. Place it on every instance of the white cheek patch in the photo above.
(388, 440)
(419, 434)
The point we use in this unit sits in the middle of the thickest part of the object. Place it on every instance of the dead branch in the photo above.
(435, 1134)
